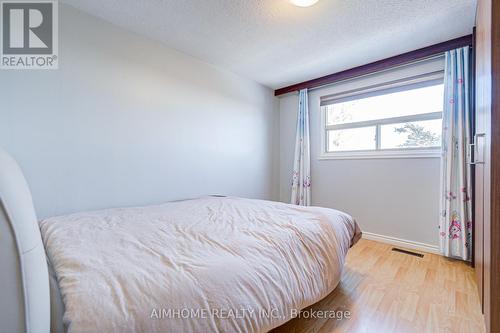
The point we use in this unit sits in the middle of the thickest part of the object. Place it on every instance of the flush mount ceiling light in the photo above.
(303, 3)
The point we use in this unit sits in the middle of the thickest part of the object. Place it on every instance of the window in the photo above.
(397, 119)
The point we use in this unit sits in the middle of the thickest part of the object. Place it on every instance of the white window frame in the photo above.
(426, 152)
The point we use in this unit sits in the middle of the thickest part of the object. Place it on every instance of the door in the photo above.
(482, 158)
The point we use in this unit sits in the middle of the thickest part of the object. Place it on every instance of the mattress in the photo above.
(206, 265)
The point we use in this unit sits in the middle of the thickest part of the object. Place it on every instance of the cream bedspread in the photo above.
(205, 265)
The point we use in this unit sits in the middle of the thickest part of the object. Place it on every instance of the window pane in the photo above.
(397, 104)
(362, 138)
(418, 134)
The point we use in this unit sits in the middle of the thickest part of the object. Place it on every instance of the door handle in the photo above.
(473, 149)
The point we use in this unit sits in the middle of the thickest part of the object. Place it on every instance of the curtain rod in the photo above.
(380, 65)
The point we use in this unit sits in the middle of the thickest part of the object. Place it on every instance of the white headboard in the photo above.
(25, 296)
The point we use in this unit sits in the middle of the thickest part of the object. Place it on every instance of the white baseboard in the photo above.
(401, 243)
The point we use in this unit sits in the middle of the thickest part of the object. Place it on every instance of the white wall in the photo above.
(390, 197)
(127, 121)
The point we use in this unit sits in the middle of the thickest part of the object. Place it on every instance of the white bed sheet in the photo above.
(205, 265)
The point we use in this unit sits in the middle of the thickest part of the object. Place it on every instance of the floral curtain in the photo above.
(301, 179)
(455, 228)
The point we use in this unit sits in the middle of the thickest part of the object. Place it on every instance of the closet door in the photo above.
(482, 148)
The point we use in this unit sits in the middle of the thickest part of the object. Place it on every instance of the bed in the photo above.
(212, 264)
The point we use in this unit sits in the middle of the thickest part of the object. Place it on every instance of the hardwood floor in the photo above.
(387, 291)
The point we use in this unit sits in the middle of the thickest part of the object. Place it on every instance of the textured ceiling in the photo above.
(276, 43)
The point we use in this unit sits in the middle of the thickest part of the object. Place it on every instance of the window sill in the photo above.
(382, 154)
